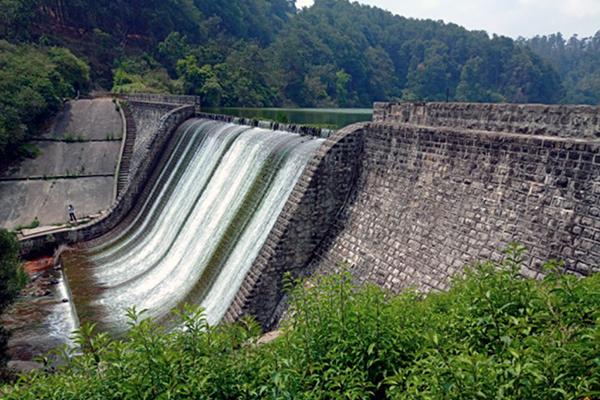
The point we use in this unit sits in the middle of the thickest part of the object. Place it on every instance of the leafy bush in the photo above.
(12, 279)
(494, 335)
(28, 150)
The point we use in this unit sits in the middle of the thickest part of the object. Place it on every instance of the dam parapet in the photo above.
(576, 122)
(163, 99)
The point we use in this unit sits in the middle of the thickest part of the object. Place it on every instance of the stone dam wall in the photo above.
(431, 200)
(577, 122)
(433, 195)
(438, 187)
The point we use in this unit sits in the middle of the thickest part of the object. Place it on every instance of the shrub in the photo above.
(494, 335)
(12, 279)
(29, 150)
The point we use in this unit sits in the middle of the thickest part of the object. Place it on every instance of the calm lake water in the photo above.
(332, 118)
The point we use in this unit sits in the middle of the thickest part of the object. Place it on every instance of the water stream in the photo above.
(200, 228)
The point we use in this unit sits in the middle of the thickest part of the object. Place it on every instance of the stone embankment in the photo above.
(440, 186)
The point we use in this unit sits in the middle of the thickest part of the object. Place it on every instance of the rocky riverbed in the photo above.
(42, 318)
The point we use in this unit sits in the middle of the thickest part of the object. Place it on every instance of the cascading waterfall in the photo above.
(200, 228)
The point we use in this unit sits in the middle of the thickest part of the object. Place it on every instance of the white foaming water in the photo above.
(197, 236)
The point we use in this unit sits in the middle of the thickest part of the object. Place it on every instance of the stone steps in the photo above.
(128, 148)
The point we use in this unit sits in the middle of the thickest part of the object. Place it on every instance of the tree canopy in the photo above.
(34, 81)
(269, 53)
(577, 62)
(12, 279)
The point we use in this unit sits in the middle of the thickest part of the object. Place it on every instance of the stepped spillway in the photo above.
(199, 229)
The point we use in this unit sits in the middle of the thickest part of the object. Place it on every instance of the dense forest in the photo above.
(577, 61)
(269, 53)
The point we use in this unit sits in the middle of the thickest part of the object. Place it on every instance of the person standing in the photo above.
(71, 210)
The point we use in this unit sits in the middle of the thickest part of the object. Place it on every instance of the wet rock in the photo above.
(24, 366)
(39, 266)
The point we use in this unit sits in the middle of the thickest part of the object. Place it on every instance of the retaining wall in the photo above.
(431, 200)
(147, 118)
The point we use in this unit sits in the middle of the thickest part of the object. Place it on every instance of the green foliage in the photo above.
(494, 335)
(34, 81)
(28, 150)
(32, 225)
(255, 53)
(142, 75)
(12, 279)
(577, 62)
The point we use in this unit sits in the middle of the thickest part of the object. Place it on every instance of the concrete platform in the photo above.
(96, 119)
(66, 172)
(69, 159)
(22, 201)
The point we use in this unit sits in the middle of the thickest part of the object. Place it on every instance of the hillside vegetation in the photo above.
(268, 53)
(12, 280)
(495, 335)
(34, 81)
(577, 62)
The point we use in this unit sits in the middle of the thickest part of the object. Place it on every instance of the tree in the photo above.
(472, 83)
(172, 49)
(428, 79)
(12, 279)
(342, 83)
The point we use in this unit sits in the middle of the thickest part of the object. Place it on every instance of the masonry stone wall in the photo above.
(148, 118)
(430, 200)
(321, 192)
(163, 99)
(530, 119)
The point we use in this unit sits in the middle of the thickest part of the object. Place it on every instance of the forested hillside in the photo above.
(268, 53)
(34, 80)
(578, 63)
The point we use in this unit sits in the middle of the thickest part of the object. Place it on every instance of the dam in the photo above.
(197, 233)
(216, 209)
